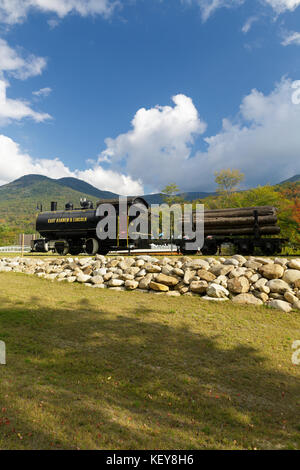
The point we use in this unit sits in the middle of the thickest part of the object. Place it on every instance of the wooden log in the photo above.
(239, 221)
(240, 212)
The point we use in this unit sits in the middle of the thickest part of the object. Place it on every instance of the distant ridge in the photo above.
(82, 186)
(293, 179)
(40, 187)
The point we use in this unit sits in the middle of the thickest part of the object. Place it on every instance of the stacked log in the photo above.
(240, 221)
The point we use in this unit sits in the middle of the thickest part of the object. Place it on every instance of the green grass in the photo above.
(100, 369)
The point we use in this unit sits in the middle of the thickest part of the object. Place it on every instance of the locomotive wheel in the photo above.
(269, 248)
(103, 251)
(209, 249)
(62, 248)
(245, 248)
(75, 250)
(91, 246)
(188, 252)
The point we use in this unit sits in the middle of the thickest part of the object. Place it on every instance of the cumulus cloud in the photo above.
(109, 180)
(262, 141)
(291, 38)
(16, 11)
(13, 63)
(15, 110)
(160, 137)
(15, 163)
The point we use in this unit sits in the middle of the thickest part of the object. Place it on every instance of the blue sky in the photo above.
(133, 95)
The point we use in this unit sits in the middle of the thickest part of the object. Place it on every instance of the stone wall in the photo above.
(255, 281)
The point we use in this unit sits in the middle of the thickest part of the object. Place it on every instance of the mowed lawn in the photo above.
(100, 369)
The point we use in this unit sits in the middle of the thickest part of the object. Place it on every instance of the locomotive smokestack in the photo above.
(53, 206)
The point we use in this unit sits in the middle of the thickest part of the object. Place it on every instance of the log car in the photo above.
(244, 228)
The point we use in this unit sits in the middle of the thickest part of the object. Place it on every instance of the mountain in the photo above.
(189, 196)
(83, 187)
(293, 179)
(19, 199)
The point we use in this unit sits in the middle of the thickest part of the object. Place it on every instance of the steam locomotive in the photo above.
(74, 230)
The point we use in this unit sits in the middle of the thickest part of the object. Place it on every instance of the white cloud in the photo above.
(13, 63)
(208, 7)
(262, 141)
(11, 110)
(291, 38)
(161, 139)
(43, 92)
(109, 180)
(15, 163)
(248, 25)
(16, 11)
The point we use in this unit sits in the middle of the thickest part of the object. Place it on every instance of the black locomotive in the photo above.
(74, 230)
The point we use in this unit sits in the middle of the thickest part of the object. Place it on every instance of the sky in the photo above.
(131, 95)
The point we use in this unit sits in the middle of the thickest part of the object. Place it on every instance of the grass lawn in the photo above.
(100, 369)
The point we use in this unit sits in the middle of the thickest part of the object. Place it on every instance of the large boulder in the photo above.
(116, 283)
(82, 278)
(247, 299)
(215, 299)
(144, 283)
(198, 287)
(278, 285)
(217, 291)
(158, 287)
(231, 261)
(271, 271)
(131, 285)
(238, 285)
(152, 268)
(188, 276)
(290, 297)
(291, 276)
(241, 259)
(261, 285)
(221, 269)
(199, 264)
(280, 305)
(206, 275)
(97, 280)
(294, 264)
(167, 280)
